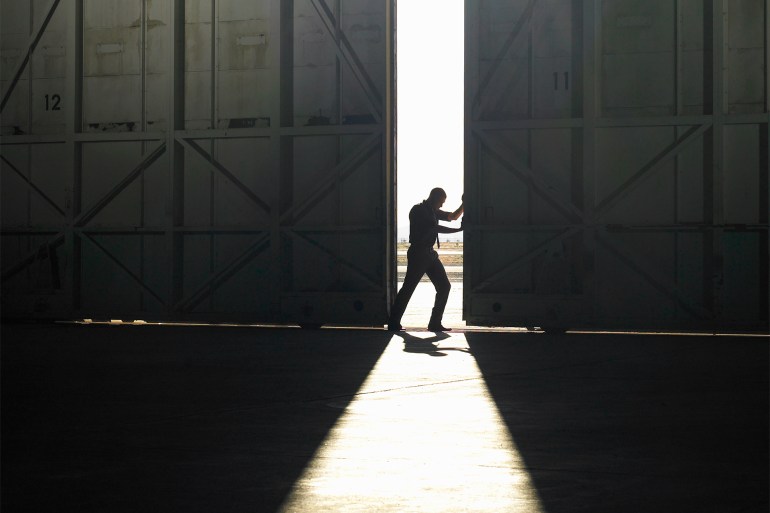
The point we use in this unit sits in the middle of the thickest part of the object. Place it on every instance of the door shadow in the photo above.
(634, 423)
(170, 418)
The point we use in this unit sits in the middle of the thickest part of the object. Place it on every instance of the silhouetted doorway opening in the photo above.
(430, 85)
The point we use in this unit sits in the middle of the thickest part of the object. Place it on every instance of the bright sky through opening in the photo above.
(430, 51)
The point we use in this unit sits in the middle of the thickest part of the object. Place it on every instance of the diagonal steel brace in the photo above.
(31, 257)
(31, 45)
(346, 52)
(136, 279)
(526, 257)
(340, 171)
(658, 282)
(33, 187)
(523, 21)
(227, 272)
(668, 153)
(217, 166)
(336, 257)
(523, 171)
(146, 162)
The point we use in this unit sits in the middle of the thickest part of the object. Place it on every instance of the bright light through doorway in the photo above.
(430, 77)
(430, 50)
(423, 434)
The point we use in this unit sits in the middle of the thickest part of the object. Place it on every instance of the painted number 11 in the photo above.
(52, 102)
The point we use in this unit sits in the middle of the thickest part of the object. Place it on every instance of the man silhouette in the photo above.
(423, 259)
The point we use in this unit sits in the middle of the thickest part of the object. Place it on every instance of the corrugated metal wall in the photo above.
(617, 163)
(204, 159)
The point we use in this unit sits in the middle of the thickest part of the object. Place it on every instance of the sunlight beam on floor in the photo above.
(422, 434)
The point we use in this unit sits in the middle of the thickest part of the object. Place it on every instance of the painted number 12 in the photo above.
(52, 102)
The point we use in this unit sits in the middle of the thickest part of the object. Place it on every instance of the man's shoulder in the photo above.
(418, 209)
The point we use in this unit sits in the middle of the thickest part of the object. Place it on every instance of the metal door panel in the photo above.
(235, 10)
(691, 80)
(48, 207)
(632, 285)
(552, 155)
(105, 165)
(213, 160)
(39, 286)
(244, 290)
(746, 56)
(503, 196)
(741, 289)
(198, 188)
(251, 104)
(691, 264)
(621, 154)
(198, 264)
(244, 293)
(108, 261)
(15, 120)
(690, 197)
(742, 175)
(629, 26)
(241, 201)
(626, 94)
(198, 65)
(638, 200)
(49, 72)
(15, 193)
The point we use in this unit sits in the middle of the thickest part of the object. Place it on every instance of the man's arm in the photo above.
(442, 215)
(457, 213)
(446, 229)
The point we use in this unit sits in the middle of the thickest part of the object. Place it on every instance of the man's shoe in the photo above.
(437, 327)
(395, 327)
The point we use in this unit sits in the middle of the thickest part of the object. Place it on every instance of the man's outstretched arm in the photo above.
(446, 229)
(457, 213)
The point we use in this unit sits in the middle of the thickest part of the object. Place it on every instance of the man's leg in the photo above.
(437, 275)
(414, 271)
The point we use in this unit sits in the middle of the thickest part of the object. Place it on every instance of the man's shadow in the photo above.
(427, 345)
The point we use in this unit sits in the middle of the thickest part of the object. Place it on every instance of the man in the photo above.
(422, 259)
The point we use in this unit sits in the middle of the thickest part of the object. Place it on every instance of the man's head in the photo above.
(437, 198)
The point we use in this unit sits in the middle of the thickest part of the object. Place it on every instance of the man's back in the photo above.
(423, 224)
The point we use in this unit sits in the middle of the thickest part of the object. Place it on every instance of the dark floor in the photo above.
(149, 418)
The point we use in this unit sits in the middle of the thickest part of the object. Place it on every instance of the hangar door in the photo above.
(617, 164)
(217, 160)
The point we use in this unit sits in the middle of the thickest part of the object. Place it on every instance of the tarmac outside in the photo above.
(418, 312)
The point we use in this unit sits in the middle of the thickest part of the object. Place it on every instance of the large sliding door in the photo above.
(214, 160)
(617, 164)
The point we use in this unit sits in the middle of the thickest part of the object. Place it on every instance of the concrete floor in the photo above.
(149, 418)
